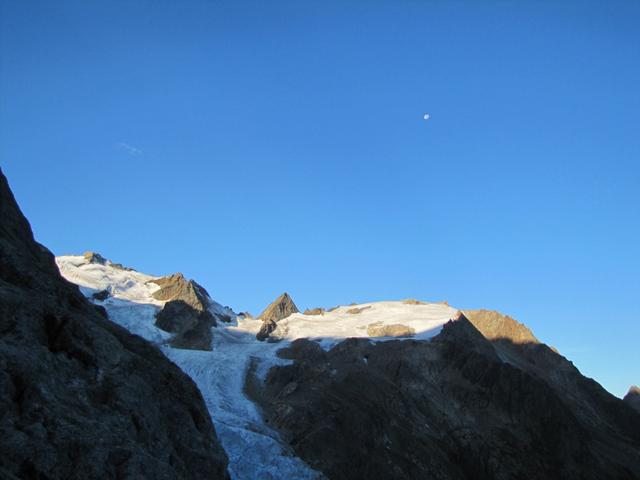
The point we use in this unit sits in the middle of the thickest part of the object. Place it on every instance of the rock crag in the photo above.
(277, 310)
(393, 330)
(186, 312)
(496, 326)
(192, 327)
(633, 397)
(177, 287)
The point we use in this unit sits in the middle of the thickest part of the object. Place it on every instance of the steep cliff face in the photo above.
(81, 397)
(458, 407)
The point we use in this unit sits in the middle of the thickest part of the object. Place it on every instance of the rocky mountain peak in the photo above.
(186, 312)
(280, 308)
(177, 287)
(633, 397)
(94, 257)
(496, 326)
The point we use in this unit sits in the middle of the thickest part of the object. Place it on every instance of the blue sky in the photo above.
(260, 147)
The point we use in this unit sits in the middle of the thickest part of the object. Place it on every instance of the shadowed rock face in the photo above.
(192, 327)
(266, 329)
(80, 397)
(633, 397)
(101, 295)
(448, 409)
(280, 308)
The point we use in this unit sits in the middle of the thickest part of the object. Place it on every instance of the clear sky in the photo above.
(262, 147)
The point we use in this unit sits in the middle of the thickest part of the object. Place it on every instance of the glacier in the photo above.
(254, 449)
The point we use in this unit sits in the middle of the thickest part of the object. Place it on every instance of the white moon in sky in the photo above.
(426, 116)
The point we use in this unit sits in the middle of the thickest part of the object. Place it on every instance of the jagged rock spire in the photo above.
(186, 312)
(280, 308)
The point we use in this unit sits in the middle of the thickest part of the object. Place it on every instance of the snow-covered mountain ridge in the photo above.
(254, 449)
(129, 289)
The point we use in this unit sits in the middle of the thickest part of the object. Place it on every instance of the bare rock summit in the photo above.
(496, 326)
(280, 308)
(177, 287)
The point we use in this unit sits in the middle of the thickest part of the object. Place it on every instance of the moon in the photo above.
(426, 116)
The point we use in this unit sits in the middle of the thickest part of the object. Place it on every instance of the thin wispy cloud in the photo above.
(130, 149)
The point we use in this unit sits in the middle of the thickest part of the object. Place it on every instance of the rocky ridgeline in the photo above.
(80, 397)
(277, 310)
(94, 257)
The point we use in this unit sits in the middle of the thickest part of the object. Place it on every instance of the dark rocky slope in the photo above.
(458, 407)
(192, 327)
(80, 397)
